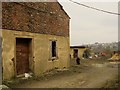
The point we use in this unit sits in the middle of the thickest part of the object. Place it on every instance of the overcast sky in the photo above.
(88, 26)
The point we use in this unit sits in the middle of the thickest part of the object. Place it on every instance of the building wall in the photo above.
(36, 17)
(0, 57)
(40, 52)
(80, 52)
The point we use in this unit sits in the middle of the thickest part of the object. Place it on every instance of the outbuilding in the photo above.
(77, 51)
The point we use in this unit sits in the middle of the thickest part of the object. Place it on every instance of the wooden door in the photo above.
(22, 55)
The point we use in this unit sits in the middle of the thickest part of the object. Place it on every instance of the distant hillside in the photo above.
(104, 47)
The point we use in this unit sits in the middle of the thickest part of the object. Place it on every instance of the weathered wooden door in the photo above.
(22, 55)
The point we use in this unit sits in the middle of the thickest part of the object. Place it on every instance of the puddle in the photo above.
(114, 62)
(111, 64)
(98, 65)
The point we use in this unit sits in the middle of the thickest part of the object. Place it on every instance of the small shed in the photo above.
(76, 51)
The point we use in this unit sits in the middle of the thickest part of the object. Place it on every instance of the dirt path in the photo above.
(92, 75)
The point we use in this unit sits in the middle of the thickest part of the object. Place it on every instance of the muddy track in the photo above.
(90, 74)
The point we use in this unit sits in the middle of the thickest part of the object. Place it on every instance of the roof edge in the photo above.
(63, 9)
(77, 47)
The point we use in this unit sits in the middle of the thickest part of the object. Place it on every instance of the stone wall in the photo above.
(35, 17)
(40, 51)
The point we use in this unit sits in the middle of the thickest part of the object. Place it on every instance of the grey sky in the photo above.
(89, 26)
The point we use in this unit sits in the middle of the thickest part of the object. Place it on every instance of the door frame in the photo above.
(31, 57)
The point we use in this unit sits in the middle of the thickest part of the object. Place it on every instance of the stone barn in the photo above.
(35, 38)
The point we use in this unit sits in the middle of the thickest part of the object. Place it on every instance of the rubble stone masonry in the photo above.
(35, 17)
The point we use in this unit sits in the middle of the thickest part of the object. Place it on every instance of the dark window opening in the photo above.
(53, 48)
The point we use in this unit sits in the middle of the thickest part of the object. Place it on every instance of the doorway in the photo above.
(75, 53)
(22, 55)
